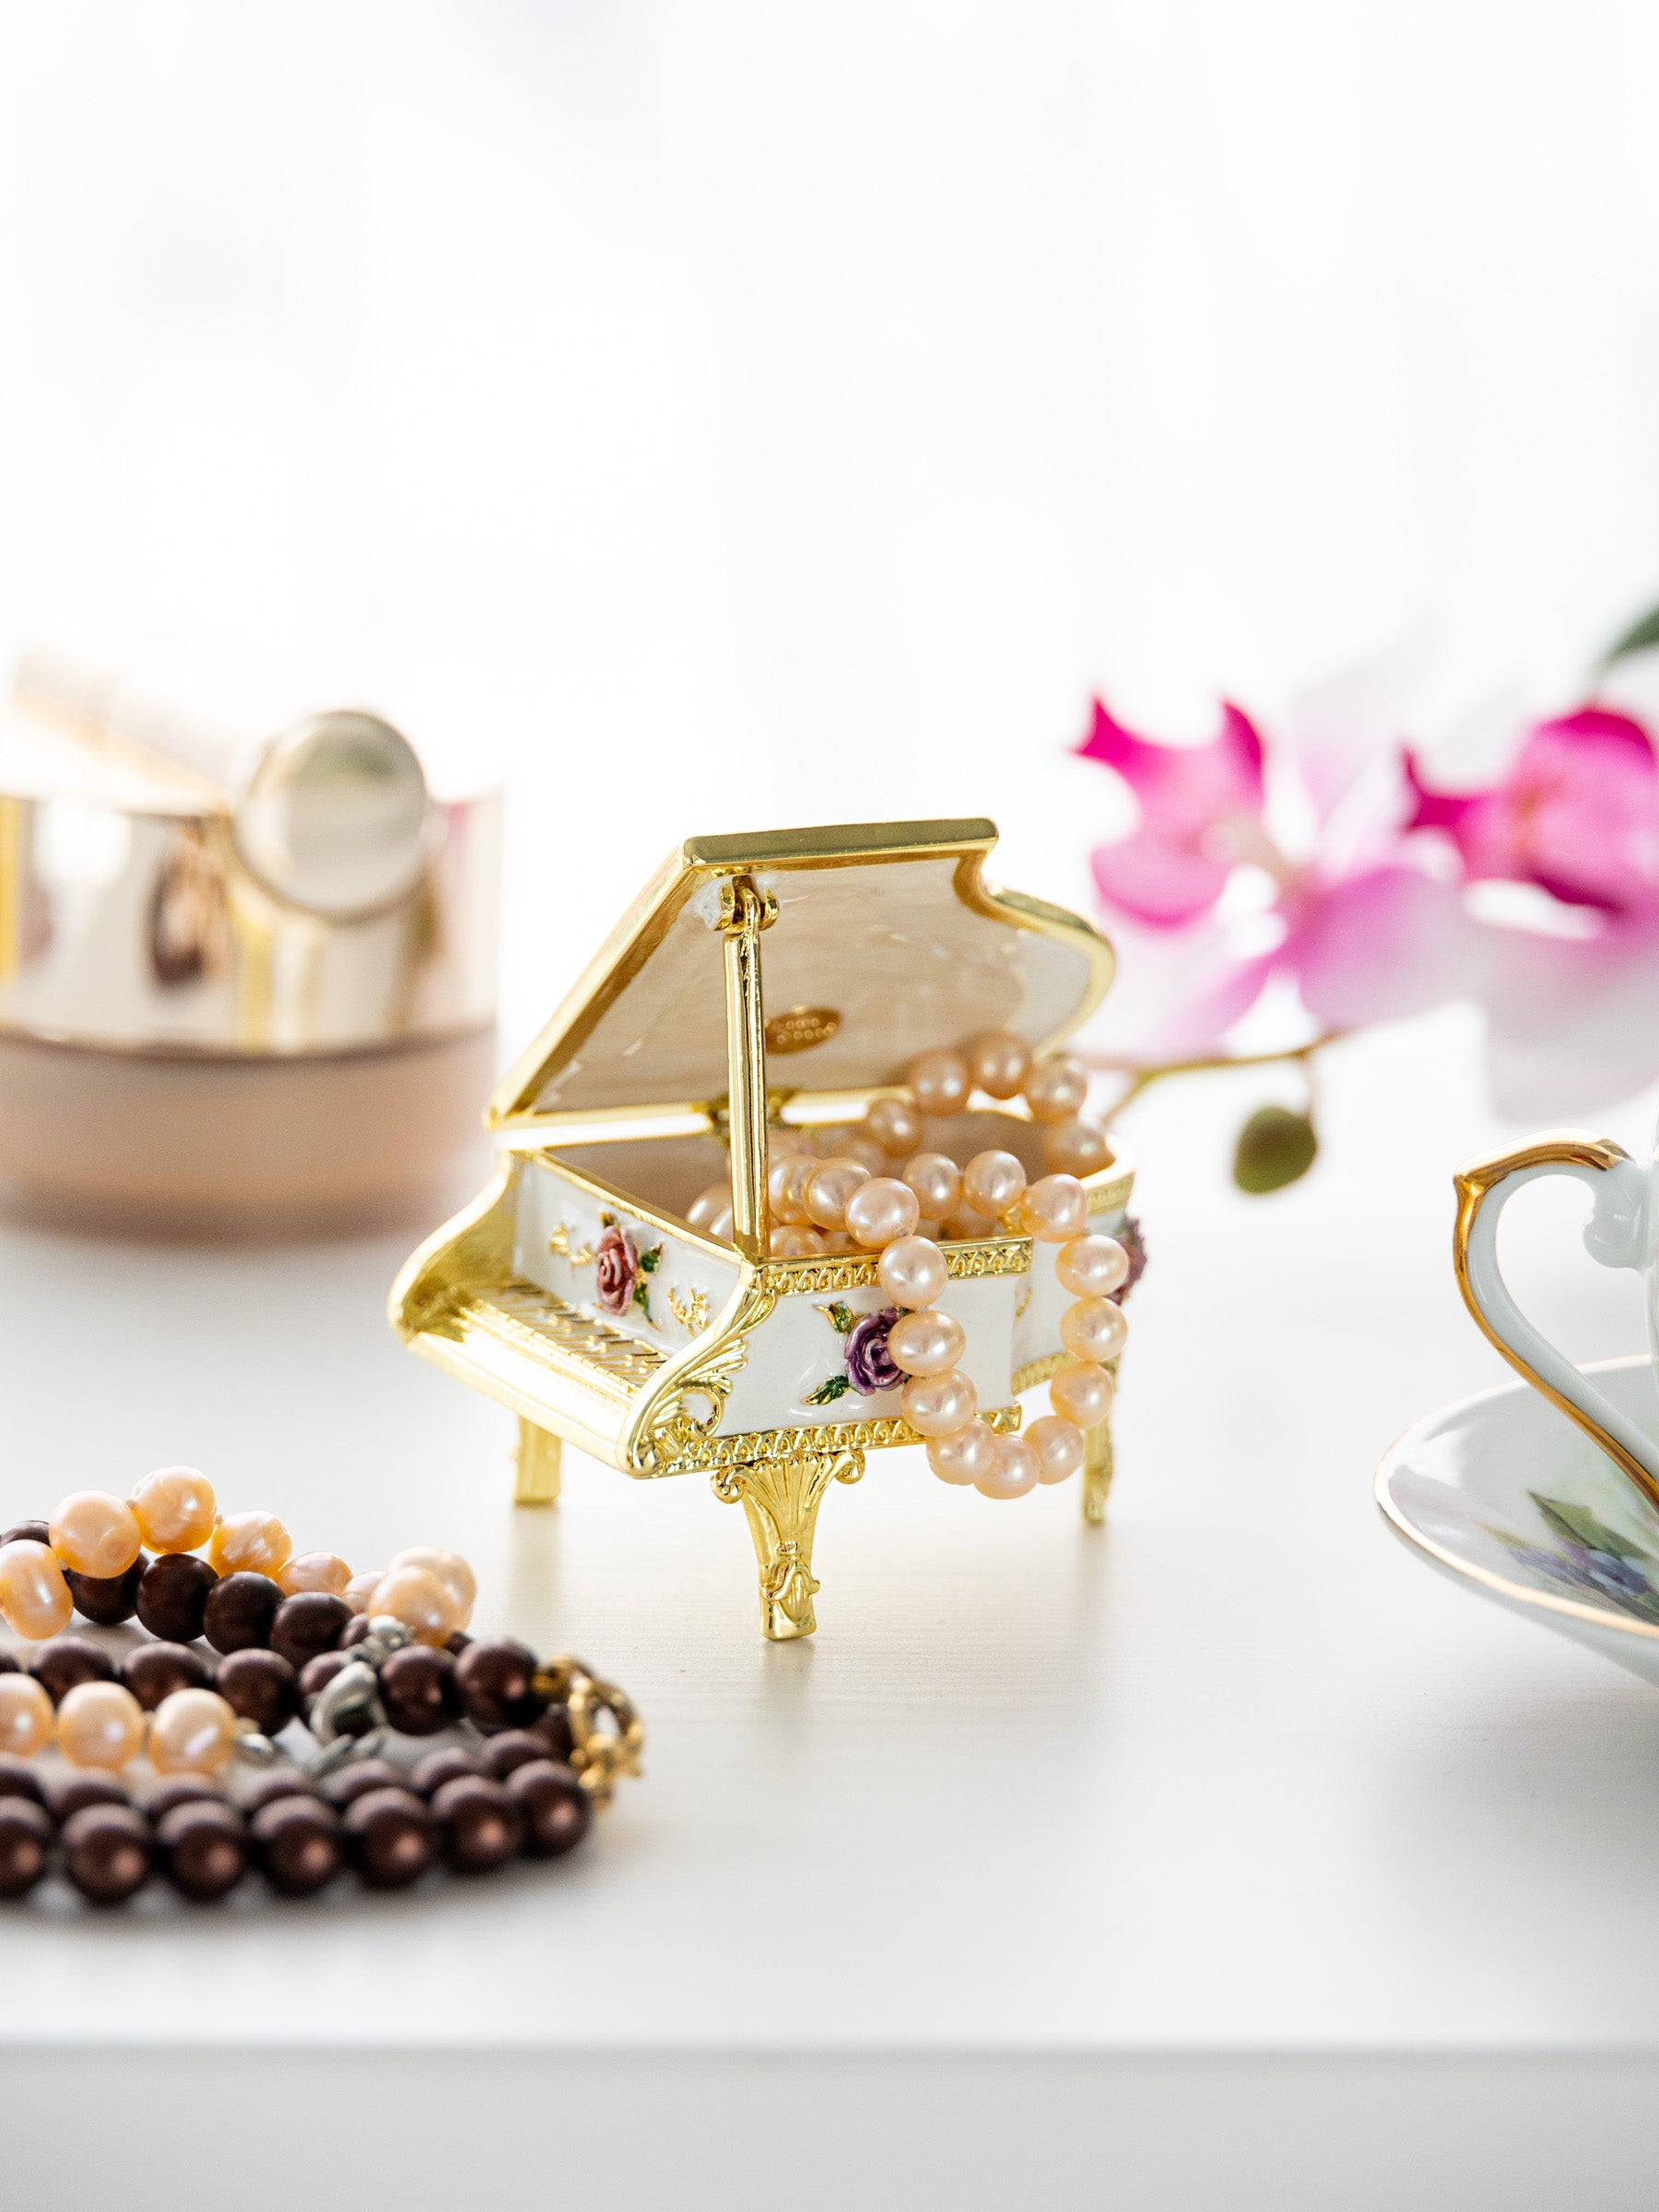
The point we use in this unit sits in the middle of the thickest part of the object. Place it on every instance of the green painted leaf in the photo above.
(1577, 1525)
(839, 1315)
(642, 1296)
(837, 1387)
(651, 1260)
(1275, 1147)
(1642, 637)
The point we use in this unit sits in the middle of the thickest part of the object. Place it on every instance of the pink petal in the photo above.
(1178, 992)
(1603, 724)
(1158, 883)
(1572, 1023)
(1382, 945)
(1182, 788)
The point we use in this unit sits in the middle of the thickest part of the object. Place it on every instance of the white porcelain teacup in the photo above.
(1623, 1231)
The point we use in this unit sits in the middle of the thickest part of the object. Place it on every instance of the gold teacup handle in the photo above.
(1617, 1234)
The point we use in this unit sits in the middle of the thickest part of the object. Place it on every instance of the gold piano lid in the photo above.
(888, 941)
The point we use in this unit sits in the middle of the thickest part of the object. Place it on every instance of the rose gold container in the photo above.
(247, 971)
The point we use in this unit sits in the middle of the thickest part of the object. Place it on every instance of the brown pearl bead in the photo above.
(317, 1674)
(558, 1810)
(259, 1687)
(29, 1532)
(204, 1850)
(347, 1785)
(553, 1731)
(72, 1793)
(239, 1610)
(107, 1853)
(355, 1631)
(516, 1747)
(483, 1827)
(18, 1778)
(107, 1600)
(392, 1837)
(298, 1844)
(418, 1689)
(305, 1625)
(172, 1595)
(9, 1664)
(25, 1843)
(438, 1767)
(155, 1670)
(276, 1789)
(184, 1789)
(68, 1661)
(495, 1676)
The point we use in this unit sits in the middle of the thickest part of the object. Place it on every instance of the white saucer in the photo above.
(1506, 1493)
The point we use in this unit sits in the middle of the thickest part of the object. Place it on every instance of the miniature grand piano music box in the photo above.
(763, 988)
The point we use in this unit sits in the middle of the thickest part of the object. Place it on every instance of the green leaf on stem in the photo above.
(1642, 637)
(1275, 1147)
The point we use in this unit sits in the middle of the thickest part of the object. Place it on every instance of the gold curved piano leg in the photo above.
(537, 1460)
(780, 1500)
(1096, 1472)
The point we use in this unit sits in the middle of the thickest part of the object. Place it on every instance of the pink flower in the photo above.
(1365, 929)
(1578, 814)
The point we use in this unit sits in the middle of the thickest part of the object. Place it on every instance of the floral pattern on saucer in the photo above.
(1588, 1558)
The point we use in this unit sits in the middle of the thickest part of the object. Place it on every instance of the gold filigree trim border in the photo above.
(856, 1271)
(716, 1453)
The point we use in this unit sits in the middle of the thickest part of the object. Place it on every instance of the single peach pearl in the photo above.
(1055, 1209)
(786, 1202)
(794, 1240)
(721, 1227)
(896, 1126)
(416, 1597)
(175, 1509)
(25, 1715)
(837, 1241)
(1092, 1267)
(966, 1456)
(702, 1209)
(926, 1343)
(449, 1568)
(881, 1211)
(993, 1184)
(1075, 1147)
(829, 1188)
(100, 1724)
(1055, 1090)
(360, 1591)
(1014, 1471)
(1094, 1329)
(964, 1226)
(323, 1570)
(830, 1136)
(786, 1143)
(931, 1231)
(1060, 1446)
(34, 1597)
(939, 1404)
(998, 1063)
(913, 1272)
(95, 1534)
(1082, 1394)
(250, 1543)
(939, 1083)
(192, 1732)
(937, 1182)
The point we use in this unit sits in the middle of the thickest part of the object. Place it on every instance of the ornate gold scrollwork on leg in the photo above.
(538, 1460)
(781, 1498)
(1096, 1472)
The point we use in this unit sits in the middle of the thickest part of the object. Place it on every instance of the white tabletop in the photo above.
(1226, 1817)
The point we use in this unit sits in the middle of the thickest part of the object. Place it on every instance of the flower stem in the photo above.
(1141, 1075)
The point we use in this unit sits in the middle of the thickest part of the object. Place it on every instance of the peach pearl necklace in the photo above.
(853, 1200)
